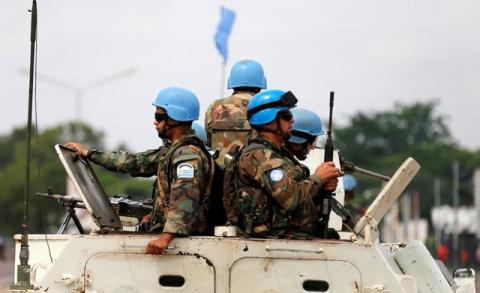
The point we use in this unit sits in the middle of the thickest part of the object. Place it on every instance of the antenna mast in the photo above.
(23, 269)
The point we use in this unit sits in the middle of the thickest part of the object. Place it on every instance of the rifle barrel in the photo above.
(350, 166)
(372, 174)
(60, 198)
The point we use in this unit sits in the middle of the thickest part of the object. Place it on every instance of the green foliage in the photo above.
(47, 171)
(381, 141)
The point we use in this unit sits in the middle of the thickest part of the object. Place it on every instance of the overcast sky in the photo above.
(371, 53)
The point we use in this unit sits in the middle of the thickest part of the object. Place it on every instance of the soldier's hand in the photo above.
(79, 148)
(147, 218)
(157, 246)
(327, 171)
(330, 185)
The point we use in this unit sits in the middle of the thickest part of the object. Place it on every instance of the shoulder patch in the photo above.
(276, 175)
(185, 170)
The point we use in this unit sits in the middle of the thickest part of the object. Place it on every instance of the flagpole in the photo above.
(222, 79)
(227, 18)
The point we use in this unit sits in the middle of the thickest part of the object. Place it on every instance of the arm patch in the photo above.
(185, 170)
(276, 175)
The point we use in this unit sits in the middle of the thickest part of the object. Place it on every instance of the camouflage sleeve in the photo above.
(144, 164)
(208, 124)
(271, 174)
(186, 190)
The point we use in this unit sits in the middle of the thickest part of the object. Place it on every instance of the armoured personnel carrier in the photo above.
(111, 259)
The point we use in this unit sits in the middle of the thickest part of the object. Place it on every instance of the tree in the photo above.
(386, 133)
(381, 141)
(47, 171)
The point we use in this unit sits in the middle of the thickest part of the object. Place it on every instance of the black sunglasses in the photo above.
(310, 138)
(285, 115)
(159, 117)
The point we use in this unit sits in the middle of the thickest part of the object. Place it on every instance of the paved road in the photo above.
(7, 269)
(6, 274)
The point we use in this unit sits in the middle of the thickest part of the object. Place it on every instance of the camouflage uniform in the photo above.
(275, 194)
(183, 182)
(143, 164)
(180, 206)
(226, 124)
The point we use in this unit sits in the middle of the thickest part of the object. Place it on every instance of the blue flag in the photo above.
(223, 31)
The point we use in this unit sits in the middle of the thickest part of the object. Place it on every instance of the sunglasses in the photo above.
(159, 117)
(310, 138)
(285, 115)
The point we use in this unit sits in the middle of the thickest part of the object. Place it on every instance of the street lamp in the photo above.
(78, 94)
(80, 91)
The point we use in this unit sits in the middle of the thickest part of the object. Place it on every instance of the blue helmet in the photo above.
(307, 126)
(179, 103)
(349, 182)
(199, 131)
(247, 73)
(264, 106)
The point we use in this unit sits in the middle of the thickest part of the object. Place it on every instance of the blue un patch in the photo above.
(276, 175)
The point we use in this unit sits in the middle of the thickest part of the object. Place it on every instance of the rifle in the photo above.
(327, 195)
(121, 203)
(348, 219)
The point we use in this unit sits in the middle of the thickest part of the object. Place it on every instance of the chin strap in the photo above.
(302, 156)
(278, 131)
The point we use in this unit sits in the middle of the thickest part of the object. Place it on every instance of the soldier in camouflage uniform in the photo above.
(226, 121)
(275, 198)
(306, 128)
(142, 164)
(183, 174)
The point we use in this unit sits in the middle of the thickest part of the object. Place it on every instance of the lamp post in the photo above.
(79, 91)
(456, 229)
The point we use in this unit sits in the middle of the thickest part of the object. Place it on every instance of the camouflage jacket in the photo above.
(143, 164)
(183, 181)
(226, 124)
(276, 194)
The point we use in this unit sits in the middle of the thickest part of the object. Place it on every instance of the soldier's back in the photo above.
(226, 124)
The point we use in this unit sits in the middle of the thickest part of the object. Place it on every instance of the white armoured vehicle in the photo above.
(111, 259)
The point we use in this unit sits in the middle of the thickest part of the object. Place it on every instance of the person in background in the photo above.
(226, 120)
(199, 131)
(350, 186)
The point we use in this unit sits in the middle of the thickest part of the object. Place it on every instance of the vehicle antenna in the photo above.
(23, 269)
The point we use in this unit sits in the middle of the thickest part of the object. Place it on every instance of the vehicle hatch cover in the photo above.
(89, 188)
